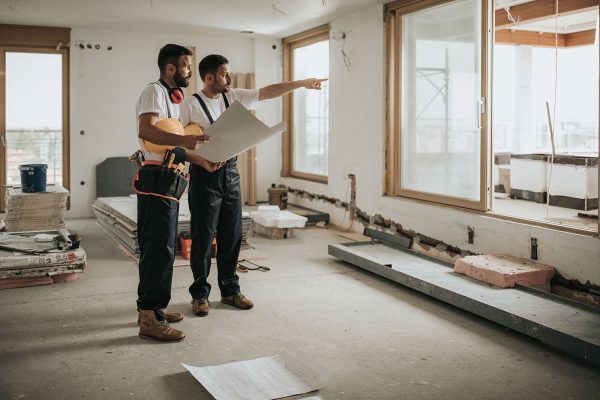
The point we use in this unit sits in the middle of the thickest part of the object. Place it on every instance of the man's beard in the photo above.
(180, 80)
(220, 88)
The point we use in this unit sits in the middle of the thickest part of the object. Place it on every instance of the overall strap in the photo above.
(203, 105)
(225, 100)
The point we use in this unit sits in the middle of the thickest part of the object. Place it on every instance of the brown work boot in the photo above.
(238, 300)
(200, 307)
(172, 317)
(151, 328)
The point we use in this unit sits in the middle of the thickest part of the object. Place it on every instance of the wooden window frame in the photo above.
(394, 12)
(392, 116)
(35, 39)
(291, 43)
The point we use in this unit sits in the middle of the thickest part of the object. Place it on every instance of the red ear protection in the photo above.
(175, 94)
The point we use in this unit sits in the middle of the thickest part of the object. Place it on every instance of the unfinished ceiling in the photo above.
(264, 17)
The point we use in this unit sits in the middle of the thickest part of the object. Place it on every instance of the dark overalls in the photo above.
(157, 238)
(216, 208)
(159, 190)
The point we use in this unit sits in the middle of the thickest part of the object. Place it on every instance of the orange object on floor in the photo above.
(214, 249)
(186, 248)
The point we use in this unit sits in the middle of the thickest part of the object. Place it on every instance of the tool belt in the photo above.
(154, 179)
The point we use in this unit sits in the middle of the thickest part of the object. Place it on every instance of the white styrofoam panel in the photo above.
(528, 175)
(573, 181)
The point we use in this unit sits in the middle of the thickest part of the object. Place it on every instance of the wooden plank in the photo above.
(2, 128)
(548, 39)
(250, 84)
(583, 38)
(308, 35)
(66, 124)
(507, 36)
(10, 283)
(34, 36)
(540, 10)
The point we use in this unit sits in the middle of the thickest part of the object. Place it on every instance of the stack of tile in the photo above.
(36, 211)
(118, 217)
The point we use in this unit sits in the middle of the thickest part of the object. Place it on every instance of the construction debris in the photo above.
(22, 256)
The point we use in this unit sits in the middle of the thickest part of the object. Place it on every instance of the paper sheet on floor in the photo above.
(234, 132)
(262, 378)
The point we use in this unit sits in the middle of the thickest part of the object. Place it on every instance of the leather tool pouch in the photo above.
(156, 180)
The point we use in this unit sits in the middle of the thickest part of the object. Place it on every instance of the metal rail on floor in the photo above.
(562, 325)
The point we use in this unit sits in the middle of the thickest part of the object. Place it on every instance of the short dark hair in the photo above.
(170, 54)
(210, 64)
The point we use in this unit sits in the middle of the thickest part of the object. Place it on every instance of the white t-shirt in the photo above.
(155, 99)
(191, 110)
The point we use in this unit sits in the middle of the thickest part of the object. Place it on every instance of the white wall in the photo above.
(269, 68)
(104, 89)
(357, 142)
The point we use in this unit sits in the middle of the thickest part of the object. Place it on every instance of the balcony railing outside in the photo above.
(39, 146)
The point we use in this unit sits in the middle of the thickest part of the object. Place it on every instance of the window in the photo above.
(546, 75)
(33, 114)
(541, 164)
(436, 97)
(34, 93)
(306, 143)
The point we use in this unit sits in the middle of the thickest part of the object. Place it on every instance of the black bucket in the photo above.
(33, 177)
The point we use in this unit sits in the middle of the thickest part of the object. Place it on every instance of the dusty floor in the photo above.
(379, 340)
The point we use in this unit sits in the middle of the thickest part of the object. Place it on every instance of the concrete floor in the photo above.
(380, 340)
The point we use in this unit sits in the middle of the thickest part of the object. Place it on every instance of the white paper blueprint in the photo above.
(234, 132)
(261, 379)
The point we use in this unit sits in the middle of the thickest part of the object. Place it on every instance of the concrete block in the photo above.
(504, 271)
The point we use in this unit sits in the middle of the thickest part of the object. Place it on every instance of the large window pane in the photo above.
(311, 110)
(537, 85)
(441, 93)
(33, 114)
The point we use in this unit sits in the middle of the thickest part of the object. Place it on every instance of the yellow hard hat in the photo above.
(170, 125)
(193, 129)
